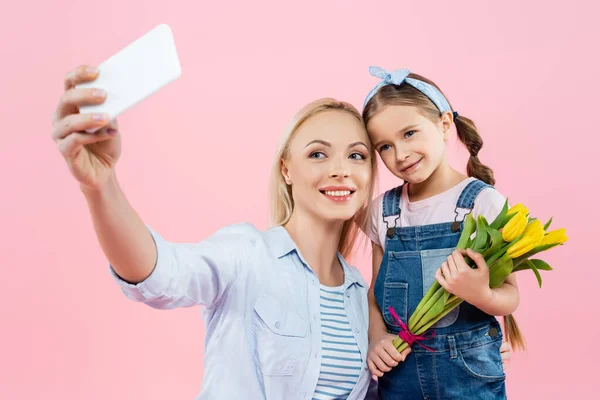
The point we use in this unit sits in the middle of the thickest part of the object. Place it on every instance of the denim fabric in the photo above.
(465, 362)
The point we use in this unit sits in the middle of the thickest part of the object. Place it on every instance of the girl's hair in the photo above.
(407, 95)
(282, 202)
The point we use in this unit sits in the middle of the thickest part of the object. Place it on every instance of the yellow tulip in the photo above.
(558, 236)
(515, 227)
(517, 208)
(532, 237)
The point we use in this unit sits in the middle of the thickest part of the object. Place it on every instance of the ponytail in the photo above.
(515, 337)
(467, 133)
(469, 136)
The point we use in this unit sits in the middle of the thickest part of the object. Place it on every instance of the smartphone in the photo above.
(136, 72)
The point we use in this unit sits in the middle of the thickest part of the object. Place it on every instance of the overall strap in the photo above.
(391, 202)
(391, 208)
(466, 201)
(470, 193)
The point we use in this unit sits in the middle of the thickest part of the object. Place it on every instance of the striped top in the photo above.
(341, 362)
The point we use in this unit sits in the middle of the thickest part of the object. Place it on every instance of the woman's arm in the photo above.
(160, 273)
(123, 236)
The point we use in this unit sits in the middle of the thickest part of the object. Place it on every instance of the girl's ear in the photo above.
(446, 123)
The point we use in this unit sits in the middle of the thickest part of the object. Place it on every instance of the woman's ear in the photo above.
(285, 172)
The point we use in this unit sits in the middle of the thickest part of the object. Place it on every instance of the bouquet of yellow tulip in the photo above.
(507, 245)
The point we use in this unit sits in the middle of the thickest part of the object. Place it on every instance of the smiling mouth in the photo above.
(338, 195)
(411, 166)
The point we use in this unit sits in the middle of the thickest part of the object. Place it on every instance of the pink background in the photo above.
(197, 156)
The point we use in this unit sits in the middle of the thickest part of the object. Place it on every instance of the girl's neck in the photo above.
(442, 179)
(318, 240)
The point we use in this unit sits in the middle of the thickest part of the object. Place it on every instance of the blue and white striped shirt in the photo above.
(341, 363)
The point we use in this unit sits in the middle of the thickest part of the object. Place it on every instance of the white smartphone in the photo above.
(136, 72)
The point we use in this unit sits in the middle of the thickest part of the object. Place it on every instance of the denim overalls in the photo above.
(465, 362)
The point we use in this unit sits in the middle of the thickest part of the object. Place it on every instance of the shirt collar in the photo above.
(282, 244)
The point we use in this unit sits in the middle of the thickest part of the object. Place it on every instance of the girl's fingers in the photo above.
(452, 265)
(380, 364)
(374, 370)
(446, 270)
(386, 358)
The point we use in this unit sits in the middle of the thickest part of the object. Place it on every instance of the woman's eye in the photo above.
(317, 154)
(357, 156)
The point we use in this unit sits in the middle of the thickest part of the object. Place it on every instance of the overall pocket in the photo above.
(483, 362)
(431, 261)
(399, 271)
(279, 336)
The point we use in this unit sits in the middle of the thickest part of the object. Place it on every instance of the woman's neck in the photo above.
(318, 242)
(442, 179)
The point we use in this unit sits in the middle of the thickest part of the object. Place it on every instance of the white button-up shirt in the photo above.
(261, 308)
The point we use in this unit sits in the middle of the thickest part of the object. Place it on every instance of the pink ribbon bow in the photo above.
(406, 335)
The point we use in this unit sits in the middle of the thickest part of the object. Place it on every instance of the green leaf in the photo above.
(469, 227)
(534, 251)
(482, 237)
(547, 224)
(500, 270)
(536, 272)
(496, 245)
(539, 264)
(498, 222)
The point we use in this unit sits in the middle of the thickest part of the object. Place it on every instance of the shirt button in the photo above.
(356, 330)
(277, 324)
(348, 294)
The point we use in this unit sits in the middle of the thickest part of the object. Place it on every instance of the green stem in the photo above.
(401, 345)
(424, 307)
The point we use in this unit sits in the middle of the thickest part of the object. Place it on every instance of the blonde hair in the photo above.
(280, 194)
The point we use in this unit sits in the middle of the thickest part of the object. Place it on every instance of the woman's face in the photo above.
(329, 166)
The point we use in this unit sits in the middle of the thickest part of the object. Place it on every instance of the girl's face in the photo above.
(411, 146)
(329, 166)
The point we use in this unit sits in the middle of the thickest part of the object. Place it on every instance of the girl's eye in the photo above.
(409, 134)
(317, 154)
(357, 156)
(384, 147)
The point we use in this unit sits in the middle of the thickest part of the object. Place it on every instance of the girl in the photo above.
(286, 316)
(415, 229)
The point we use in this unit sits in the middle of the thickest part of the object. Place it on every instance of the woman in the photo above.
(285, 315)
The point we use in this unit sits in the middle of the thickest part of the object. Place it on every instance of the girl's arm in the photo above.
(382, 356)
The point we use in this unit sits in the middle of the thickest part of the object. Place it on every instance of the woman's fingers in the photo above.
(72, 99)
(72, 144)
(81, 74)
(77, 123)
